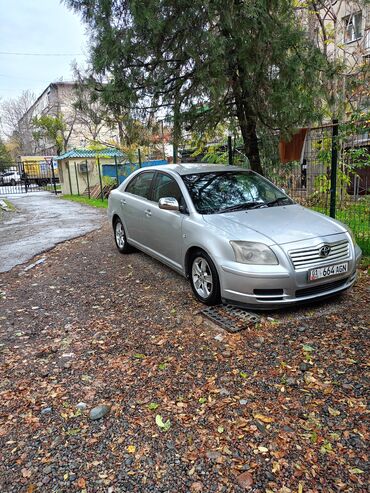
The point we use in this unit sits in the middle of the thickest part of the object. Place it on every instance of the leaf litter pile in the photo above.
(111, 381)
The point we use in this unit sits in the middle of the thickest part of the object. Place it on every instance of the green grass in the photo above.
(51, 187)
(10, 205)
(356, 216)
(102, 204)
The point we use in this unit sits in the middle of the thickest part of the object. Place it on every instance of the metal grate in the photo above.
(231, 318)
(311, 256)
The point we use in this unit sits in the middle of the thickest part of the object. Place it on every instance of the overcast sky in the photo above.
(37, 27)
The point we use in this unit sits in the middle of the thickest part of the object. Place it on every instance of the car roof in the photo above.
(192, 168)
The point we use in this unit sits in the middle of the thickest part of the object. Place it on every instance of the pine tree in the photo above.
(209, 61)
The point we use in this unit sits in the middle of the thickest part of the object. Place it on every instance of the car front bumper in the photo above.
(271, 287)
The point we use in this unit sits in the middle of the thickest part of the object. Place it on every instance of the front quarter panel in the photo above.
(197, 233)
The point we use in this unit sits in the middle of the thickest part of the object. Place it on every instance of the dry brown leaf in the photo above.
(81, 483)
(264, 419)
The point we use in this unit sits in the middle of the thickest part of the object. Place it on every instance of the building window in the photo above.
(352, 27)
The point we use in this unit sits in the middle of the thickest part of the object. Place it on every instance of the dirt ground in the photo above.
(278, 407)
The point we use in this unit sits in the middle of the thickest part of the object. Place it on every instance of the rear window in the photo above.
(140, 185)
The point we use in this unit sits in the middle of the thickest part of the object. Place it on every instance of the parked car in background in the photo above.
(10, 178)
(233, 234)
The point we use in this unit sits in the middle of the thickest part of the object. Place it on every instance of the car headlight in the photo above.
(248, 252)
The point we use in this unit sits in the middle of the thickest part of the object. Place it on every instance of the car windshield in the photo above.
(228, 191)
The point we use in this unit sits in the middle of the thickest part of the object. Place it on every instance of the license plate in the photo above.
(328, 271)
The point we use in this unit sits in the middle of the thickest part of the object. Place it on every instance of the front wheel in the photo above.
(204, 279)
(120, 237)
(13, 182)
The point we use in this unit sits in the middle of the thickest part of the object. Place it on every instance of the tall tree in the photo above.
(208, 61)
(336, 26)
(5, 157)
(51, 131)
(15, 123)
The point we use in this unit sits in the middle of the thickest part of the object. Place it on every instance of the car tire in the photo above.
(204, 278)
(120, 237)
(13, 182)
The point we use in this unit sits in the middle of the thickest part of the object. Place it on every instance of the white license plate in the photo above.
(328, 271)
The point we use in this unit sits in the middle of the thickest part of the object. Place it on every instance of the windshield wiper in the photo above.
(277, 201)
(240, 207)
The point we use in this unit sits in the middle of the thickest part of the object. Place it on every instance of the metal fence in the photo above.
(332, 175)
(18, 177)
(95, 179)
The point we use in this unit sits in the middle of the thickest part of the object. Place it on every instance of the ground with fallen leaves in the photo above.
(278, 407)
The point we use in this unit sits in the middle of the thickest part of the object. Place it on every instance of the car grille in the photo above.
(323, 288)
(308, 257)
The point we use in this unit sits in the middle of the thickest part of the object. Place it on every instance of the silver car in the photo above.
(233, 234)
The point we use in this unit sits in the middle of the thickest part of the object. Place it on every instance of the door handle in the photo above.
(123, 202)
(148, 212)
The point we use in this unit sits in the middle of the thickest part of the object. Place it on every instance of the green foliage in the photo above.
(351, 156)
(109, 181)
(248, 64)
(5, 157)
(50, 127)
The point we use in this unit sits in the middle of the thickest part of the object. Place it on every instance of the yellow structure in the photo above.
(39, 166)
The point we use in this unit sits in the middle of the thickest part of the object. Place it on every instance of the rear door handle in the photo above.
(123, 202)
(148, 212)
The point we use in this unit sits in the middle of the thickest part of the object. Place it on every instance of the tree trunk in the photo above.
(121, 134)
(176, 128)
(242, 98)
(248, 126)
(250, 140)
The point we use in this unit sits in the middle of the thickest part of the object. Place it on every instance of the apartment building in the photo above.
(341, 28)
(58, 100)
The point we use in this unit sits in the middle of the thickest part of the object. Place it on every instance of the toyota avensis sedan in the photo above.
(236, 236)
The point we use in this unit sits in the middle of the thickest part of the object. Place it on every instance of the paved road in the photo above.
(43, 221)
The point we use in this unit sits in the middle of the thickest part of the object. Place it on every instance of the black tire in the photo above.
(13, 182)
(120, 237)
(202, 269)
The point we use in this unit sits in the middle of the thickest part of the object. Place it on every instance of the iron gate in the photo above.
(17, 177)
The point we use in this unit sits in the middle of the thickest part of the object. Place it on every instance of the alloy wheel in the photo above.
(202, 277)
(120, 235)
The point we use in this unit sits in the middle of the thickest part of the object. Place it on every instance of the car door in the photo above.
(134, 204)
(164, 228)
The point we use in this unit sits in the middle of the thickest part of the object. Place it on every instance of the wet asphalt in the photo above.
(42, 220)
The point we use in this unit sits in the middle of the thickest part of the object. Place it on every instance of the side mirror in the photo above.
(168, 204)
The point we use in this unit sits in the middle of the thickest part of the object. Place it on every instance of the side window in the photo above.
(140, 185)
(166, 186)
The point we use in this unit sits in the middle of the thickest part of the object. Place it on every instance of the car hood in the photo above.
(283, 224)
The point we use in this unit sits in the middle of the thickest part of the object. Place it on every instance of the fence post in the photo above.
(25, 178)
(139, 156)
(69, 179)
(334, 166)
(101, 184)
(116, 164)
(175, 153)
(53, 175)
(78, 186)
(230, 149)
(87, 176)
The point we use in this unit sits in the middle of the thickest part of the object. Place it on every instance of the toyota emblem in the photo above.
(324, 251)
